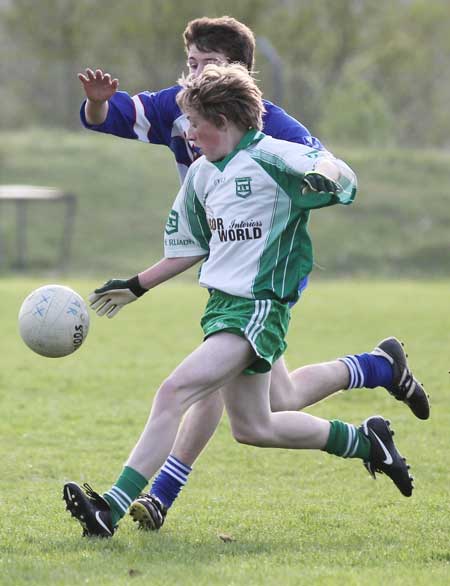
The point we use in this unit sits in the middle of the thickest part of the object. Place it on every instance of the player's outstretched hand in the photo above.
(314, 181)
(98, 86)
(114, 294)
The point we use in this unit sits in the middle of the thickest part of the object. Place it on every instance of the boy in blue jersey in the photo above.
(155, 117)
(242, 174)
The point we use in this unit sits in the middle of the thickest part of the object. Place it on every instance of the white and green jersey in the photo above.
(248, 215)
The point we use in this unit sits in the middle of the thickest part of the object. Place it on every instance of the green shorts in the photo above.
(263, 322)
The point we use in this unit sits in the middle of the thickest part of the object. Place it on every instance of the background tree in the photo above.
(367, 71)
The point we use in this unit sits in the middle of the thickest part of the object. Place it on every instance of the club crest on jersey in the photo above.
(243, 187)
(172, 223)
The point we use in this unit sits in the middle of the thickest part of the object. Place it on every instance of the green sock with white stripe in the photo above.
(129, 485)
(347, 441)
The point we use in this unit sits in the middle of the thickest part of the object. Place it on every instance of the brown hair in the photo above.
(223, 90)
(225, 34)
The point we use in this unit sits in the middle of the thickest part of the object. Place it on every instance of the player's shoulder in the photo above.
(167, 94)
(279, 124)
(198, 168)
(199, 174)
(165, 98)
(284, 148)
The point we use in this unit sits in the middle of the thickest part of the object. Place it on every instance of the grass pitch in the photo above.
(292, 517)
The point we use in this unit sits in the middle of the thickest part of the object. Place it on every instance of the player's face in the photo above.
(211, 140)
(196, 60)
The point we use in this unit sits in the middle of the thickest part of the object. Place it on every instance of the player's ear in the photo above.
(222, 121)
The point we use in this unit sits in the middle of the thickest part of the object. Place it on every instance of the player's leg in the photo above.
(196, 429)
(200, 423)
(292, 391)
(309, 384)
(251, 317)
(196, 377)
(252, 422)
(288, 392)
(306, 385)
(386, 366)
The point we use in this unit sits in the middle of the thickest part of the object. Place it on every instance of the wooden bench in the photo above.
(22, 195)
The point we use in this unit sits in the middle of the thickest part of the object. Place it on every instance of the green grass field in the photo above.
(294, 517)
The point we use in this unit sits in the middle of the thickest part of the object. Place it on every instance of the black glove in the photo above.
(114, 294)
(317, 182)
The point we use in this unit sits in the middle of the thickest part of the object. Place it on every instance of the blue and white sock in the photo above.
(170, 480)
(367, 370)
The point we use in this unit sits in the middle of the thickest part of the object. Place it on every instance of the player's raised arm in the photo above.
(99, 87)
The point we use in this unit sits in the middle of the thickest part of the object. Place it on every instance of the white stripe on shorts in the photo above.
(256, 323)
(260, 326)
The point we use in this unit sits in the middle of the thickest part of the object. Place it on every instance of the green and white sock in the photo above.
(128, 486)
(347, 441)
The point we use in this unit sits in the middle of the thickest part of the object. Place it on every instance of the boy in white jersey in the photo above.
(156, 118)
(243, 210)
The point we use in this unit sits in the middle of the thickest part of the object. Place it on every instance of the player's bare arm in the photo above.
(99, 87)
(165, 269)
(116, 293)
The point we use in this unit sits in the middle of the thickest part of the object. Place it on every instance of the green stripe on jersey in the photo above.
(287, 255)
(295, 256)
(196, 216)
(286, 177)
(290, 180)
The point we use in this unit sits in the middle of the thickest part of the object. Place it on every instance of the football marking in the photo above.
(51, 327)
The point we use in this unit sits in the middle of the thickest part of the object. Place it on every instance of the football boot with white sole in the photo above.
(90, 509)
(405, 386)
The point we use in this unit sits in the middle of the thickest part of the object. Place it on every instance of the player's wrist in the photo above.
(97, 103)
(135, 286)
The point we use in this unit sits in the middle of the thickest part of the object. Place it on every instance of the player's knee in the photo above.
(251, 435)
(170, 396)
(279, 402)
(281, 393)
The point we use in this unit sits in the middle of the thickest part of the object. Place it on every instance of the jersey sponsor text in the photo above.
(237, 230)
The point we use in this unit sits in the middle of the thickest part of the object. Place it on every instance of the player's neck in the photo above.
(230, 139)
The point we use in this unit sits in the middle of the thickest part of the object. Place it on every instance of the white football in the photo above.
(54, 321)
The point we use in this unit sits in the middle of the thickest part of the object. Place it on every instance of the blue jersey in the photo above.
(156, 118)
